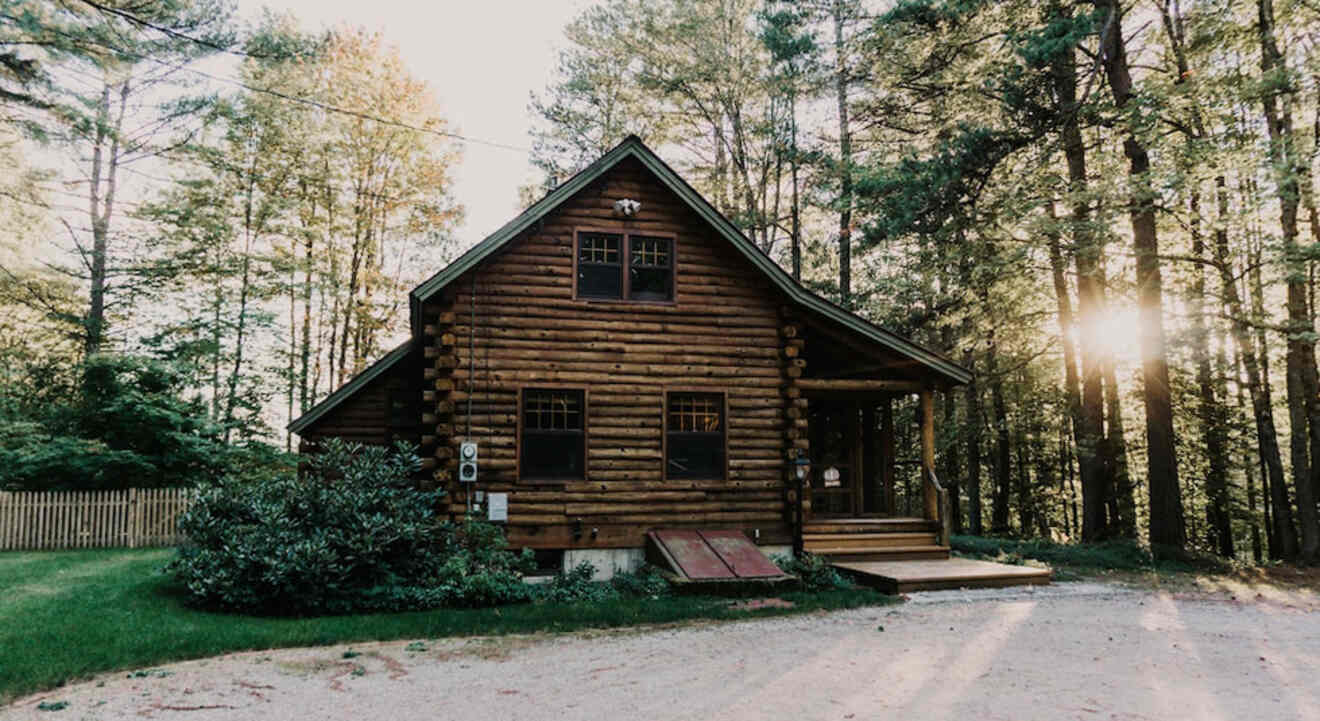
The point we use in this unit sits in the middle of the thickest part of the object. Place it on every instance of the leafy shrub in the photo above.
(576, 585)
(645, 582)
(814, 571)
(353, 534)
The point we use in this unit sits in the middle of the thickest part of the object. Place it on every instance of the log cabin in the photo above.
(626, 360)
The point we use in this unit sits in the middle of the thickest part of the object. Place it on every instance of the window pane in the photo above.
(548, 410)
(553, 440)
(650, 261)
(650, 252)
(696, 412)
(698, 455)
(552, 455)
(650, 284)
(598, 248)
(694, 442)
(599, 281)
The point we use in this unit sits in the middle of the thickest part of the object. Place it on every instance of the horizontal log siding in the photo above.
(722, 333)
(364, 417)
(359, 419)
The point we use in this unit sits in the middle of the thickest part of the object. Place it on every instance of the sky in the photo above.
(482, 59)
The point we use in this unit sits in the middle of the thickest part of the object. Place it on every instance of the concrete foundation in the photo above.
(608, 561)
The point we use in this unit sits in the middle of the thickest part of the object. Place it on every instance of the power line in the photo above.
(144, 23)
(327, 107)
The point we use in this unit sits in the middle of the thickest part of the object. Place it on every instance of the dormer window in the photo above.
(603, 257)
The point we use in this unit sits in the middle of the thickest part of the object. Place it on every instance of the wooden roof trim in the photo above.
(634, 147)
(346, 391)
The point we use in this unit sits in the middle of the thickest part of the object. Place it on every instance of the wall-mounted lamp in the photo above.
(802, 467)
(627, 207)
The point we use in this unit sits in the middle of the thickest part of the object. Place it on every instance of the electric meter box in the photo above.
(467, 462)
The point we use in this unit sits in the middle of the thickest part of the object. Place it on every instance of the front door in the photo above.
(836, 473)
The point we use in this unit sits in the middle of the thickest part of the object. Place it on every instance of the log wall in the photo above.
(724, 333)
(365, 416)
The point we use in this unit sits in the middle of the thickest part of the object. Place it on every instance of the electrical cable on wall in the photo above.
(472, 366)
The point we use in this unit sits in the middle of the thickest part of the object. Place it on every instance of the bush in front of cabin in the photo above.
(815, 573)
(578, 584)
(352, 534)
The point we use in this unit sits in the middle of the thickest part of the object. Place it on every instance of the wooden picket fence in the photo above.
(129, 518)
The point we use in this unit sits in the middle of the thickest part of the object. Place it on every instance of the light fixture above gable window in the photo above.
(627, 207)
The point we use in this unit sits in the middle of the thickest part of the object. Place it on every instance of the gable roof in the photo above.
(633, 147)
(347, 390)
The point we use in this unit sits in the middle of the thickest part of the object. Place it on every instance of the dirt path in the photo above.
(1070, 651)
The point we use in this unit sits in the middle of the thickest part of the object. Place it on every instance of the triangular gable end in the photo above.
(346, 391)
(633, 147)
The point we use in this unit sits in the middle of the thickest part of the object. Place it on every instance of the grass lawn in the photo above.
(66, 615)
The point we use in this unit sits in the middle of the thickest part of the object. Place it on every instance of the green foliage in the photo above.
(576, 585)
(116, 421)
(645, 582)
(1116, 555)
(353, 534)
(814, 571)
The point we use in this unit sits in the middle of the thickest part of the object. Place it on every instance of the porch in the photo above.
(847, 460)
(865, 491)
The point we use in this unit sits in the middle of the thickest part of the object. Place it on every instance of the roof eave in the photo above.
(346, 391)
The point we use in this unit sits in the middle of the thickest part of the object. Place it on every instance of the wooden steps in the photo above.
(906, 576)
(898, 555)
(874, 539)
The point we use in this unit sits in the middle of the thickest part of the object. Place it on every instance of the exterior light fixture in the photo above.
(802, 467)
(627, 207)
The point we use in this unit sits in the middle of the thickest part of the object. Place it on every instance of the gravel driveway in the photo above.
(1069, 651)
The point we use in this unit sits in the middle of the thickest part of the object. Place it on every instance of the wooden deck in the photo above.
(931, 575)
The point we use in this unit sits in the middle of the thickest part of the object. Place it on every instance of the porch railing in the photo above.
(938, 506)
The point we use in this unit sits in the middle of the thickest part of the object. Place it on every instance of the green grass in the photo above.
(70, 614)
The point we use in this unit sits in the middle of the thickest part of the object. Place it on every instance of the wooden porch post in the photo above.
(928, 453)
(870, 474)
(887, 453)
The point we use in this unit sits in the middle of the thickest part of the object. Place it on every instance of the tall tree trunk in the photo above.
(952, 458)
(1213, 433)
(841, 10)
(1123, 501)
(1063, 303)
(796, 209)
(1088, 429)
(1248, 469)
(1167, 522)
(972, 393)
(101, 190)
(1303, 406)
(1003, 451)
(1283, 533)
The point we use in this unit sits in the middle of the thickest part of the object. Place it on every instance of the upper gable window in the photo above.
(600, 265)
(625, 266)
